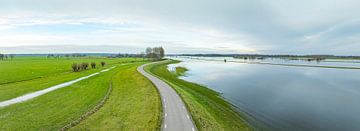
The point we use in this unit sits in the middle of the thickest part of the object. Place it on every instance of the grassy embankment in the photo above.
(56, 109)
(180, 71)
(208, 109)
(134, 104)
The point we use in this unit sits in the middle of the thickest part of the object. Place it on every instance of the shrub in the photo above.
(103, 64)
(93, 65)
(75, 67)
(84, 66)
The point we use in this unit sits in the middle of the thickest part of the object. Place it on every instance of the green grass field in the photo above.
(132, 105)
(27, 68)
(208, 109)
(132, 100)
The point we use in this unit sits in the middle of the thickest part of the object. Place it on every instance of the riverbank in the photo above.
(208, 109)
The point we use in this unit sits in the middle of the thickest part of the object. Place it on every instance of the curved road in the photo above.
(176, 116)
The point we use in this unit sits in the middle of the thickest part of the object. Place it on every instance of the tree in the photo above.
(103, 64)
(50, 55)
(93, 65)
(12, 56)
(142, 55)
(155, 53)
(148, 52)
(75, 67)
(1, 56)
(84, 66)
(162, 52)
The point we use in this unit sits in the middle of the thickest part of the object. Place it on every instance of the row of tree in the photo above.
(5, 56)
(65, 55)
(84, 66)
(125, 55)
(156, 53)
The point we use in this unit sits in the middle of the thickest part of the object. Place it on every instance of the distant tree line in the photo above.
(125, 55)
(155, 53)
(76, 67)
(6, 56)
(65, 55)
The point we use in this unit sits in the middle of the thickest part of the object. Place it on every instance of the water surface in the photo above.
(285, 98)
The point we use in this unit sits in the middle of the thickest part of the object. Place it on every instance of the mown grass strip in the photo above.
(208, 109)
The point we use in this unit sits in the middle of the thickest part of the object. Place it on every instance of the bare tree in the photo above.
(155, 53)
(162, 52)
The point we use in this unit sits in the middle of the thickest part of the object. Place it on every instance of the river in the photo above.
(284, 97)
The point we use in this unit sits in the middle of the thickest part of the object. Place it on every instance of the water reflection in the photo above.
(287, 98)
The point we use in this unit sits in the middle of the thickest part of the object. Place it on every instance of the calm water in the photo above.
(285, 98)
(327, 62)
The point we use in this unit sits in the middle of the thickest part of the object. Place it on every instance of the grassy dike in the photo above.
(209, 110)
(134, 104)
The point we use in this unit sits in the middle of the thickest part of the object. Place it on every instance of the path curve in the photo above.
(176, 116)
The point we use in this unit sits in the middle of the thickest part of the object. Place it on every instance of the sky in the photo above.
(181, 26)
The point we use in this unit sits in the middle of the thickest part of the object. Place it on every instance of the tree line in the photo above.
(76, 67)
(65, 55)
(155, 53)
(6, 56)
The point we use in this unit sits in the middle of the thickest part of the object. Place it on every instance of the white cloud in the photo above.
(231, 26)
(27, 39)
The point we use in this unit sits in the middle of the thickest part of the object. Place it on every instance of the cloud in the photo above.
(26, 40)
(211, 26)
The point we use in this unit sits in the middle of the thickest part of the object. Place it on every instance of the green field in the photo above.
(208, 109)
(27, 68)
(133, 99)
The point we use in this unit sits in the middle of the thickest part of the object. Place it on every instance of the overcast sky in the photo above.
(181, 26)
